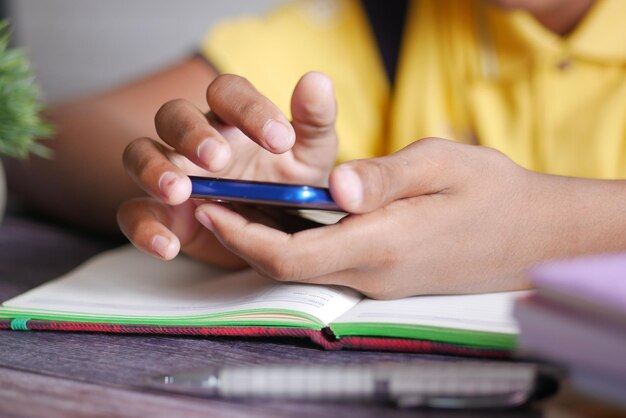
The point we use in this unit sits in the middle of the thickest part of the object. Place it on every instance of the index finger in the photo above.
(184, 127)
(237, 102)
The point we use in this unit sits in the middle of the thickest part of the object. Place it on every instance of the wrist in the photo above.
(576, 216)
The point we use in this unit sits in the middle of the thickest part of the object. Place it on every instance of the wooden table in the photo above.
(78, 374)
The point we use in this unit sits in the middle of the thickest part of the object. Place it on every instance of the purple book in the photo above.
(573, 339)
(594, 285)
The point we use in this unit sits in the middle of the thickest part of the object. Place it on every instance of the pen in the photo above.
(454, 385)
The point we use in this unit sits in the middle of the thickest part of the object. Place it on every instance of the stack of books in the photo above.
(577, 318)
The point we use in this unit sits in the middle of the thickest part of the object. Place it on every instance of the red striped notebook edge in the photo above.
(323, 338)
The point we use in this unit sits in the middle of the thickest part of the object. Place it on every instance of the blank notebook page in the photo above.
(127, 282)
(491, 312)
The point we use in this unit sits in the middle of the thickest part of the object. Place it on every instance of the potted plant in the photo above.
(20, 105)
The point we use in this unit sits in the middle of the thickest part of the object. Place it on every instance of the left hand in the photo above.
(237, 139)
(436, 217)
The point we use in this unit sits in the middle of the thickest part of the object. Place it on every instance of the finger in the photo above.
(236, 102)
(143, 222)
(297, 257)
(146, 162)
(314, 111)
(183, 126)
(258, 214)
(163, 231)
(274, 217)
(424, 167)
(275, 254)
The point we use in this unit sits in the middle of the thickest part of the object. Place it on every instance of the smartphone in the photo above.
(262, 193)
(288, 207)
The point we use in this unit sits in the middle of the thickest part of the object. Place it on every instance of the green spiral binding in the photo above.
(20, 324)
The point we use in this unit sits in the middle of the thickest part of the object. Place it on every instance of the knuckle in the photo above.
(499, 162)
(318, 114)
(129, 152)
(437, 149)
(377, 177)
(285, 271)
(231, 239)
(185, 127)
(313, 130)
(378, 290)
(475, 162)
(432, 141)
(177, 160)
(175, 119)
(442, 158)
(496, 156)
(133, 155)
(281, 269)
(217, 85)
(387, 258)
(167, 109)
(251, 110)
(222, 83)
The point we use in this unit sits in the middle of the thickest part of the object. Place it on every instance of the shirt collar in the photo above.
(600, 36)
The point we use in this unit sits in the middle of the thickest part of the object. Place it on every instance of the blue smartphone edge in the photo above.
(257, 192)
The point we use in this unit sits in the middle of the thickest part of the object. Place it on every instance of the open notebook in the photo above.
(124, 290)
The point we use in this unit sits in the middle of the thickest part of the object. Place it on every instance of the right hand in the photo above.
(233, 141)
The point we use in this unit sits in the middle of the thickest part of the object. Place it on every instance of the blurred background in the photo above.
(79, 47)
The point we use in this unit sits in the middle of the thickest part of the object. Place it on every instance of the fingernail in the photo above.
(167, 182)
(203, 217)
(352, 186)
(277, 136)
(160, 245)
(213, 154)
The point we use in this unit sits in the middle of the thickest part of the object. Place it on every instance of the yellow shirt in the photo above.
(467, 71)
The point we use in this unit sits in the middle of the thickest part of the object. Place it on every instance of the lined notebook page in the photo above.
(491, 312)
(128, 282)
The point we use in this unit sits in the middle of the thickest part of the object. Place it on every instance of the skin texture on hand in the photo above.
(437, 217)
(243, 136)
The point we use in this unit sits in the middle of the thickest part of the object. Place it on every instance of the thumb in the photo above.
(421, 168)
(314, 112)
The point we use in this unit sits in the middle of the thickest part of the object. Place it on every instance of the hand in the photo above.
(222, 143)
(436, 217)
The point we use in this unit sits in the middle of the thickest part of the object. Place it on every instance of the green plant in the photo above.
(20, 105)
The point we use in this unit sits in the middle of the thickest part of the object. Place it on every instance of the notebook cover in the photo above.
(323, 338)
